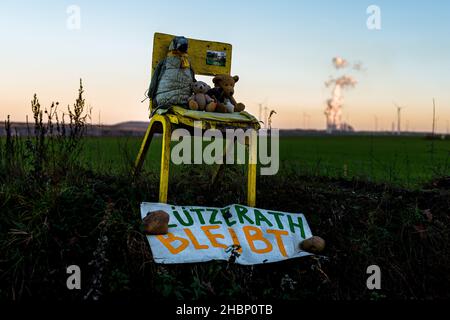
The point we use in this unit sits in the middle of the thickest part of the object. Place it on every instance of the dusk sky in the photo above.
(282, 51)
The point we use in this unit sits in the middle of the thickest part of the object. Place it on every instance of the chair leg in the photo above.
(251, 174)
(219, 168)
(144, 148)
(165, 161)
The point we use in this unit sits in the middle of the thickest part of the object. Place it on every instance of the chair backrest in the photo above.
(208, 58)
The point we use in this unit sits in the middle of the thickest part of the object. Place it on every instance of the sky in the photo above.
(282, 51)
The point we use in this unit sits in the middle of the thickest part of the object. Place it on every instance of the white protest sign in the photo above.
(244, 234)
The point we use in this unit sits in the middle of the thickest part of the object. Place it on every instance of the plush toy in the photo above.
(223, 92)
(172, 79)
(200, 100)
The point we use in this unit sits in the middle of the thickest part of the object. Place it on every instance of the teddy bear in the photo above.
(199, 99)
(223, 92)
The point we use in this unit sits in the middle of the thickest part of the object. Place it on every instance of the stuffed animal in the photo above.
(223, 92)
(172, 79)
(200, 100)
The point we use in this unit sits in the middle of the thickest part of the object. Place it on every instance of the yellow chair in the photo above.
(177, 117)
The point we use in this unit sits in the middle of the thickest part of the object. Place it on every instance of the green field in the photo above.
(407, 161)
(69, 199)
(55, 212)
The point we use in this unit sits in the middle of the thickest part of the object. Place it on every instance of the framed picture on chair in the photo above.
(216, 58)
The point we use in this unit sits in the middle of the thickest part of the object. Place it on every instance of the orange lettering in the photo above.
(194, 241)
(278, 234)
(167, 242)
(235, 239)
(256, 236)
(212, 237)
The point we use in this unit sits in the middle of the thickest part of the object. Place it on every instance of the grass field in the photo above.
(69, 199)
(56, 213)
(405, 161)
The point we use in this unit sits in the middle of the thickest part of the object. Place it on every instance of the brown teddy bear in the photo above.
(200, 100)
(223, 92)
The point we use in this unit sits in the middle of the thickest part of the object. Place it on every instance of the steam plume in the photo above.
(340, 62)
(333, 112)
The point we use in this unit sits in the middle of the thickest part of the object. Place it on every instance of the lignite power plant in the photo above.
(333, 111)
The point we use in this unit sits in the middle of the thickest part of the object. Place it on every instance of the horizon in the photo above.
(141, 127)
(284, 50)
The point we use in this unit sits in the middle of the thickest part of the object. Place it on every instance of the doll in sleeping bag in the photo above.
(173, 77)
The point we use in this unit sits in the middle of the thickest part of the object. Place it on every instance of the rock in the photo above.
(156, 223)
(313, 245)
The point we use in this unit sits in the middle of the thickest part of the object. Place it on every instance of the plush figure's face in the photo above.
(200, 87)
(179, 44)
(226, 83)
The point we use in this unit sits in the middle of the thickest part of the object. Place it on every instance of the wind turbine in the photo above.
(260, 111)
(434, 117)
(260, 105)
(306, 118)
(399, 113)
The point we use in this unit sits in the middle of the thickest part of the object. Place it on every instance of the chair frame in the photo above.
(165, 124)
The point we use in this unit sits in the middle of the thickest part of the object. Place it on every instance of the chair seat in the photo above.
(185, 116)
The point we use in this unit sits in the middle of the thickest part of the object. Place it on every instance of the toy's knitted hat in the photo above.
(178, 47)
(179, 44)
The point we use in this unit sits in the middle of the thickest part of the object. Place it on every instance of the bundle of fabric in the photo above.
(173, 77)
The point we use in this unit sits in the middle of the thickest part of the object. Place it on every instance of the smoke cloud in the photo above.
(333, 112)
(340, 62)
